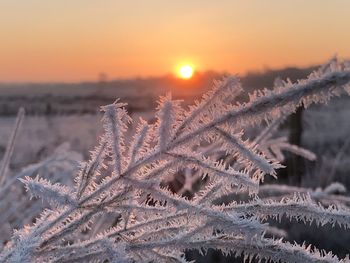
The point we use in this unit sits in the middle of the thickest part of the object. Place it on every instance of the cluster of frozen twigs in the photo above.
(188, 181)
(16, 206)
(123, 180)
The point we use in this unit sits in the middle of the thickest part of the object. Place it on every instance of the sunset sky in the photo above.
(76, 40)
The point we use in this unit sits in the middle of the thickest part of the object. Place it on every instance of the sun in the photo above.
(186, 72)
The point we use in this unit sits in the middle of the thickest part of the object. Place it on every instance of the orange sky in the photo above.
(66, 40)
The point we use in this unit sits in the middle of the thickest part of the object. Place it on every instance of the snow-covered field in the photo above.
(41, 135)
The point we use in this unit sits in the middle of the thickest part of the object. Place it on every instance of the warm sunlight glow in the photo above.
(186, 72)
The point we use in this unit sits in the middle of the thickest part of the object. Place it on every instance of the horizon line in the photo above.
(259, 71)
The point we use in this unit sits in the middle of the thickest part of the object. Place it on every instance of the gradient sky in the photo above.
(67, 40)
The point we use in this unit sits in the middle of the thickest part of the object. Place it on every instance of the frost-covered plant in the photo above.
(16, 207)
(328, 196)
(186, 182)
(123, 180)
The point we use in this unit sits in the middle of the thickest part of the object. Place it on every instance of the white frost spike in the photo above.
(298, 151)
(248, 153)
(227, 89)
(218, 169)
(55, 194)
(90, 169)
(138, 140)
(165, 126)
(299, 207)
(166, 119)
(115, 122)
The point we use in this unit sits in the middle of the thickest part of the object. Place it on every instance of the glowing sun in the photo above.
(186, 72)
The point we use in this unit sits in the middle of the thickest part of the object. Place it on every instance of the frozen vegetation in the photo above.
(119, 206)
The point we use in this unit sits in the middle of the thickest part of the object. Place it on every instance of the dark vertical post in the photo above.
(295, 167)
